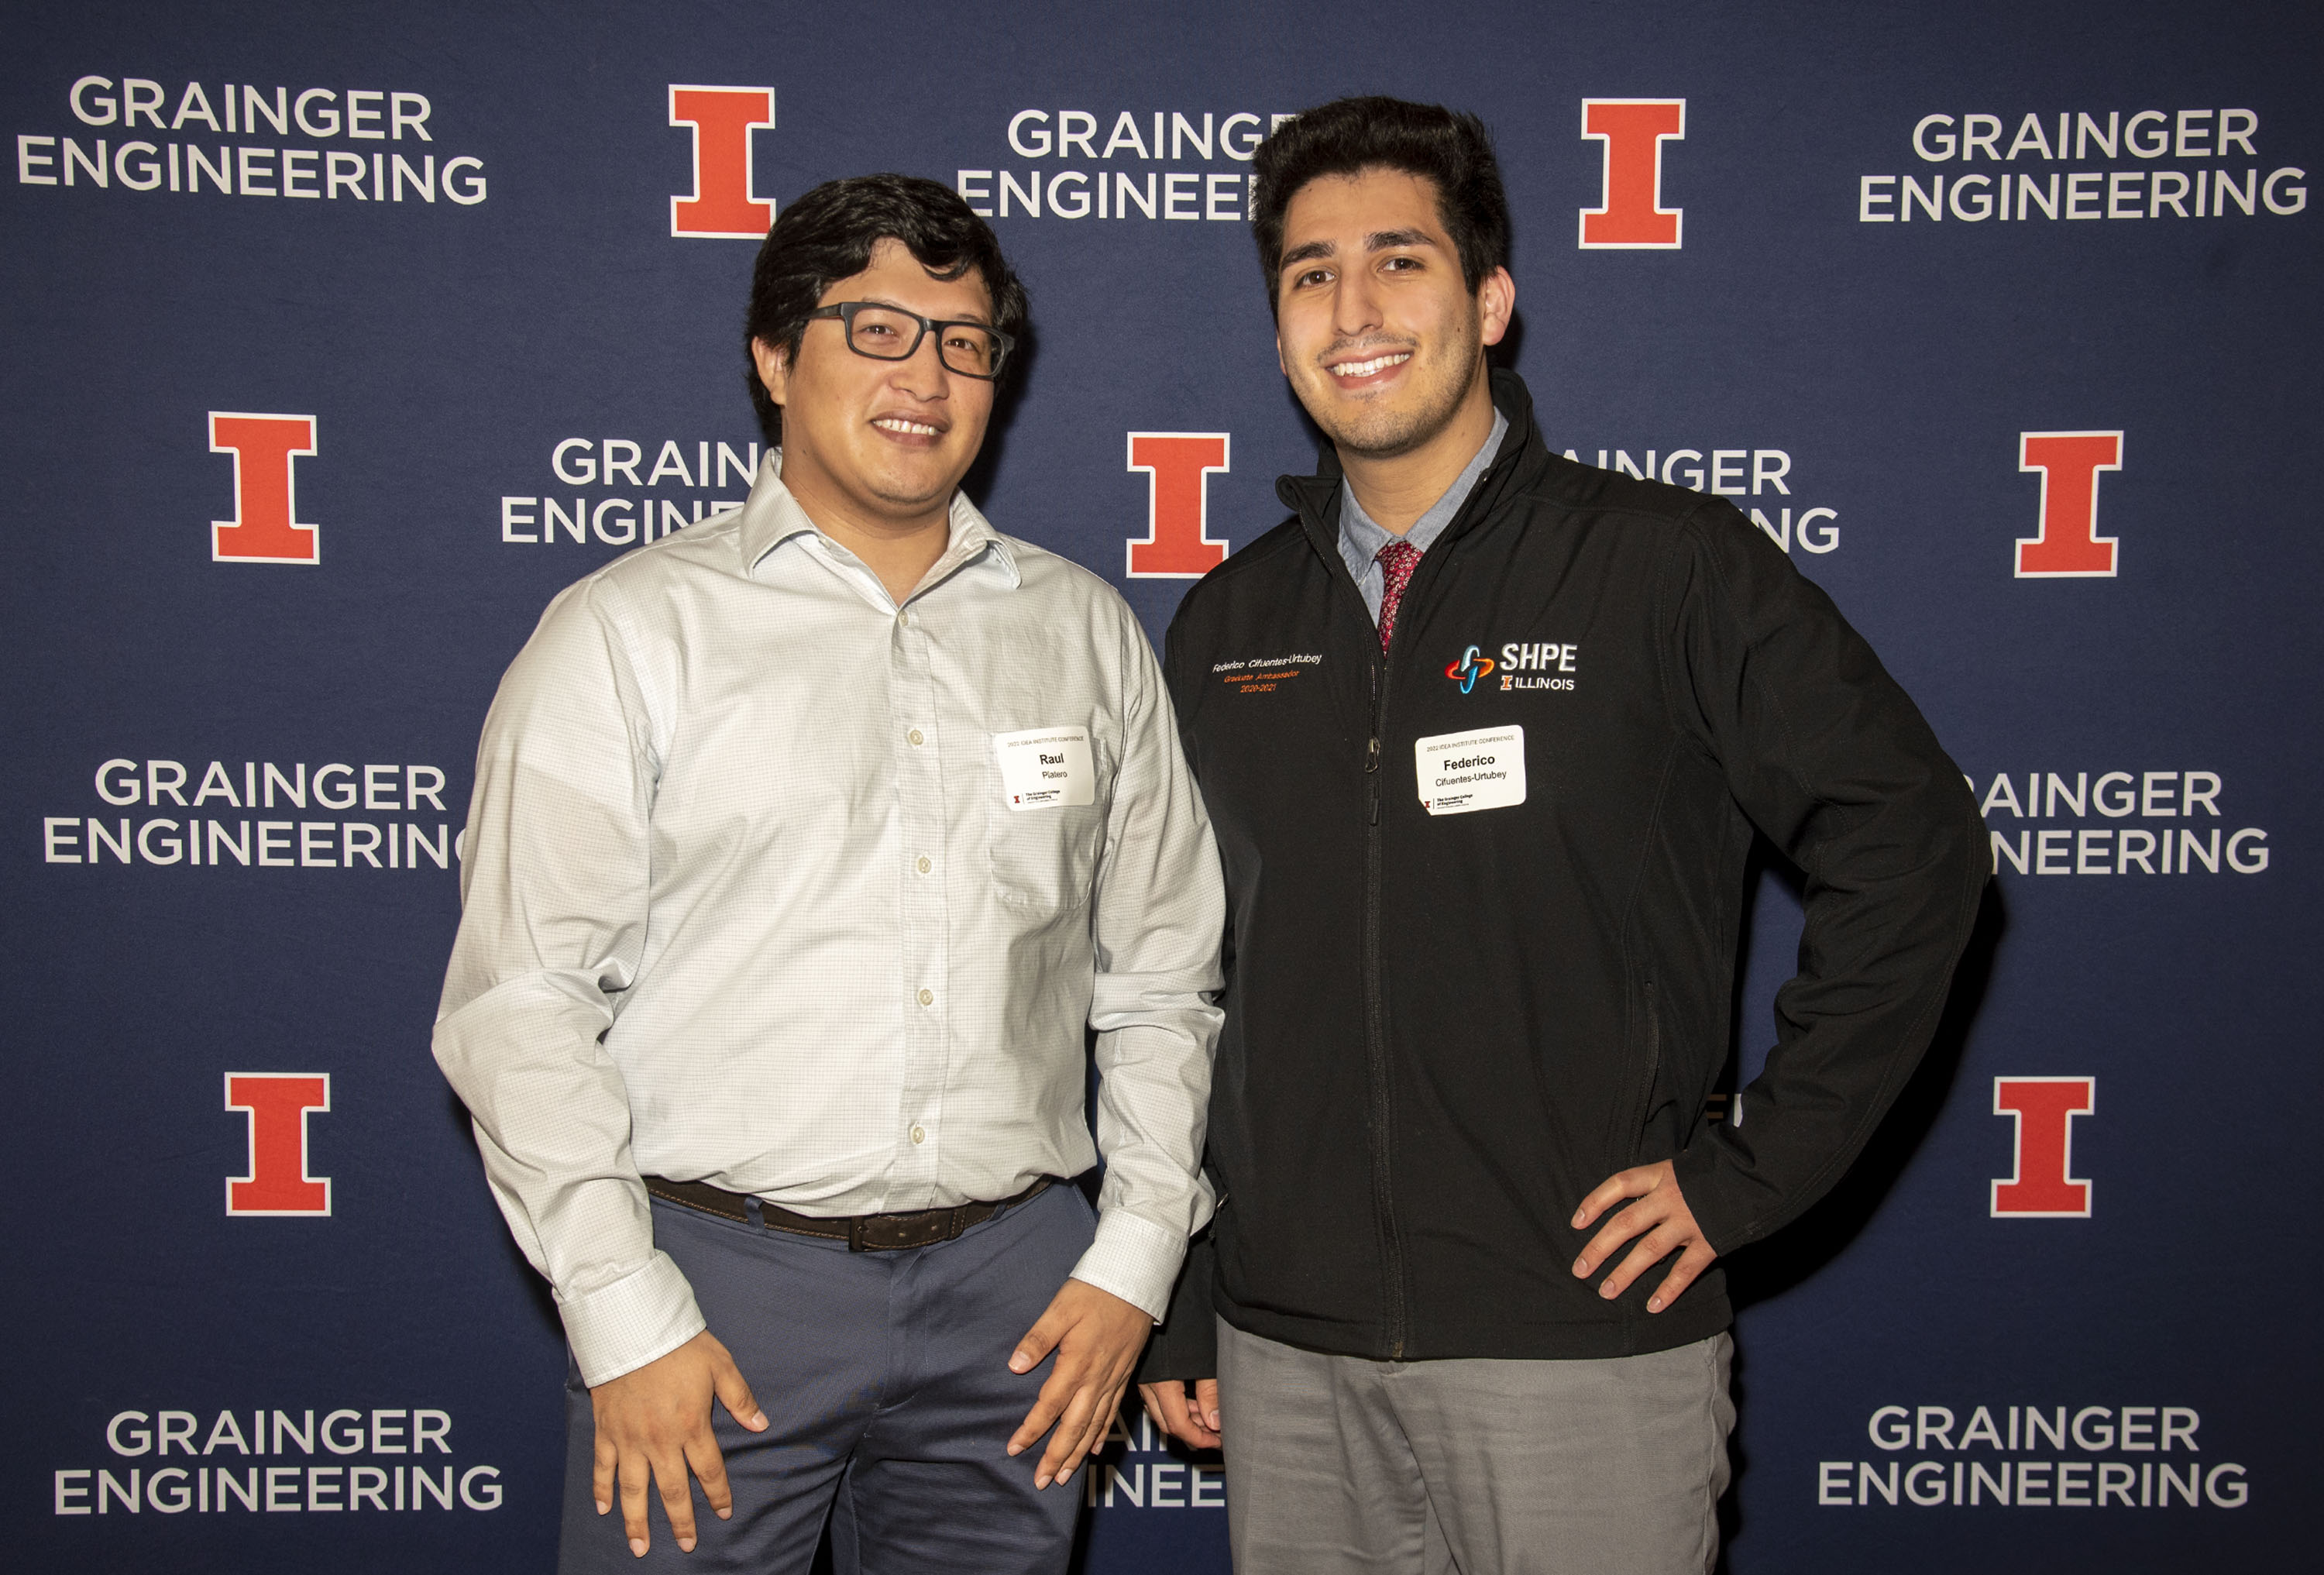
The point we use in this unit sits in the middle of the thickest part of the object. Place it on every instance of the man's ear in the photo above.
(774, 369)
(1496, 304)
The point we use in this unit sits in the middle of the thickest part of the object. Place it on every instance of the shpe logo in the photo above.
(1471, 667)
(721, 207)
(2069, 546)
(277, 1182)
(2041, 1184)
(266, 526)
(1630, 215)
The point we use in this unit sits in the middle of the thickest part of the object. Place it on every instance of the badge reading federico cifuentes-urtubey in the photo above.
(1462, 772)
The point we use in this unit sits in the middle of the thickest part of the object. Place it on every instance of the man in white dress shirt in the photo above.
(806, 845)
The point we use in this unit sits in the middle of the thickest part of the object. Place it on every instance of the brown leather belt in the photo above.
(861, 1232)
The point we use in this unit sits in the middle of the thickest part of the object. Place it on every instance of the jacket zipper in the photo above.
(1376, 1029)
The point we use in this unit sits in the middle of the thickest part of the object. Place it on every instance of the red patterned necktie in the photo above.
(1397, 559)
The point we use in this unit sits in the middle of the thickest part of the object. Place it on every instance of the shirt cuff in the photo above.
(619, 1328)
(1134, 1259)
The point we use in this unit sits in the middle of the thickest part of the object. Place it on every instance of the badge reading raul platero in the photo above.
(1042, 768)
(1463, 772)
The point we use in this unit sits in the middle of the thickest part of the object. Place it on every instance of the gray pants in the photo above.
(1336, 1464)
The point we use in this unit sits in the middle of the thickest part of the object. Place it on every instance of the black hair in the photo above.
(1449, 148)
(829, 235)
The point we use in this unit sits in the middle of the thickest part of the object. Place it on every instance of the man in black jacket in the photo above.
(1485, 735)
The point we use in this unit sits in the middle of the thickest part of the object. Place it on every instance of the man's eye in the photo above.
(1313, 276)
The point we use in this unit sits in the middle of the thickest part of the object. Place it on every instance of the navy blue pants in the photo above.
(889, 1403)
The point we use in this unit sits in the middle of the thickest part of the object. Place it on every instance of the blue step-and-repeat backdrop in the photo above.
(337, 339)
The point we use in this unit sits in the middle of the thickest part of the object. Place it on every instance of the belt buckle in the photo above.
(879, 1233)
(899, 1232)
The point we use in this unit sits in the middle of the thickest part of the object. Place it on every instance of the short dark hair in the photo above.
(829, 235)
(1448, 148)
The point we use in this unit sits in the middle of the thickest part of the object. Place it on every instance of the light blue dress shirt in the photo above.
(1361, 537)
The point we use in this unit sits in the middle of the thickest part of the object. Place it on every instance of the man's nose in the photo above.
(1355, 306)
(923, 373)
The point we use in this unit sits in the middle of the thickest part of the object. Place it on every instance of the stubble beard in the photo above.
(1379, 432)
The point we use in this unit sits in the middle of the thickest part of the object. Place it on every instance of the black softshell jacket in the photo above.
(1442, 1030)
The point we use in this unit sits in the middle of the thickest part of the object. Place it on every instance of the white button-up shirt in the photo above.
(745, 902)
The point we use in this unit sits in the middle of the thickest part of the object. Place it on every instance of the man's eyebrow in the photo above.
(1309, 253)
(1377, 241)
(978, 318)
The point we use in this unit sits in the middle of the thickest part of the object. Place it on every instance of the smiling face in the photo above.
(1381, 338)
(884, 441)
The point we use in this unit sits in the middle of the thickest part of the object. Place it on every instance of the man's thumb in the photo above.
(735, 1394)
(1038, 1342)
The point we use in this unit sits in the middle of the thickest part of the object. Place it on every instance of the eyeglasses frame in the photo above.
(845, 310)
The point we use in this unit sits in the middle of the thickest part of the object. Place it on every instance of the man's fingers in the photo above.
(1047, 1405)
(708, 1466)
(1096, 1337)
(1106, 1408)
(1038, 1342)
(633, 1475)
(1652, 1248)
(677, 1498)
(1169, 1404)
(1628, 1183)
(1083, 1415)
(1165, 1402)
(1697, 1257)
(654, 1433)
(1659, 1219)
(734, 1393)
(1633, 1221)
(1093, 1437)
(600, 1473)
(1067, 1399)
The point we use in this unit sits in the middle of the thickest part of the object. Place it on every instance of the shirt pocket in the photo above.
(1044, 857)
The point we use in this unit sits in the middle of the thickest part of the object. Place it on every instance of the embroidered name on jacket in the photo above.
(1258, 674)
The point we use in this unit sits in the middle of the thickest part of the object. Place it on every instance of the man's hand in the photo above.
(1662, 1221)
(1097, 1337)
(1195, 1425)
(654, 1423)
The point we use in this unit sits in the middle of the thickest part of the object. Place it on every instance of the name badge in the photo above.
(1042, 768)
(1460, 772)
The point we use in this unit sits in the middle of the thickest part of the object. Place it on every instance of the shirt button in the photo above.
(916, 739)
(928, 998)
(924, 864)
(903, 620)
(919, 1133)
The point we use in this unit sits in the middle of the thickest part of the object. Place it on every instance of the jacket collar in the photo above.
(1315, 499)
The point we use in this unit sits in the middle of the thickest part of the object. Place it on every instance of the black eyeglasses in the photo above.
(887, 333)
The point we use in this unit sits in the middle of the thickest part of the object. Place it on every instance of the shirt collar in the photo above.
(1362, 536)
(773, 517)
